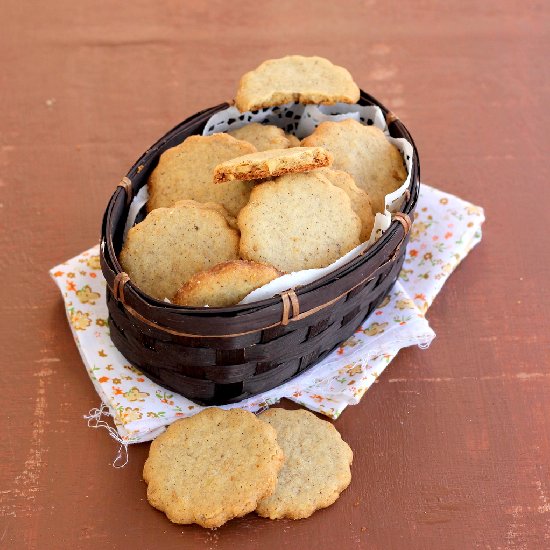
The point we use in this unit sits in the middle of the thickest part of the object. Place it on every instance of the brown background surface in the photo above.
(452, 444)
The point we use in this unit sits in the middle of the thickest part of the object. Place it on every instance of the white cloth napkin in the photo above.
(445, 229)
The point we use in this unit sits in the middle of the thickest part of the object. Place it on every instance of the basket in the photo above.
(223, 355)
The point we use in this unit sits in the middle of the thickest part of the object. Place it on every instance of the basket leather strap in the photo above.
(126, 184)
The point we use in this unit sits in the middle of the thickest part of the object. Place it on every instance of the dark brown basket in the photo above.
(224, 355)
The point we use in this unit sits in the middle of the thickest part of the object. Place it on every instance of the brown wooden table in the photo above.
(452, 445)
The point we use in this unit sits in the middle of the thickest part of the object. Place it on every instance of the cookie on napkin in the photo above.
(212, 467)
(298, 221)
(225, 284)
(360, 201)
(316, 468)
(295, 78)
(172, 244)
(364, 152)
(185, 172)
(271, 163)
(263, 136)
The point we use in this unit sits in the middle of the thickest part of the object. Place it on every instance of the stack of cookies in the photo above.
(230, 212)
(223, 464)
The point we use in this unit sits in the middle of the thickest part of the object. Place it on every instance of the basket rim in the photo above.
(107, 245)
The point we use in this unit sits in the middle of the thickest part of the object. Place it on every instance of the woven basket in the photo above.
(224, 355)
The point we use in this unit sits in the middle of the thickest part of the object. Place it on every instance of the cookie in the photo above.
(274, 162)
(231, 220)
(294, 141)
(360, 201)
(262, 136)
(212, 467)
(364, 152)
(295, 78)
(172, 244)
(298, 221)
(185, 172)
(316, 468)
(225, 284)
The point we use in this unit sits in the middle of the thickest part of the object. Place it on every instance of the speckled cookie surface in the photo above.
(186, 171)
(271, 163)
(316, 468)
(364, 152)
(262, 136)
(360, 201)
(212, 467)
(231, 220)
(298, 221)
(172, 244)
(295, 78)
(225, 284)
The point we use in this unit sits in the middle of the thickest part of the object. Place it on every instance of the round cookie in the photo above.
(294, 141)
(364, 152)
(231, 220)
(316, 468)
(212, 467)
(262, 136)
(295, 78)
(360, 201)
(185, 172)
(225, 284)
(172, 244)
(298, 221)
(274, 162)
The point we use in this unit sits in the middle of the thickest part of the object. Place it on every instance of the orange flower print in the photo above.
(135, 395)
(318, 398)
(413, 253)
(117, 391)
(87, 296)
(375, 328)
(103, 379)
(419, 297)
(448, 235)
(80, 320)
(130, 415)
(93, 262)
(93, 275)
(102, 353)
(71, 286)
(58, 274)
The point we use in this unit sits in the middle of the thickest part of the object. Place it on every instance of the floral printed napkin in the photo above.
(445, 229)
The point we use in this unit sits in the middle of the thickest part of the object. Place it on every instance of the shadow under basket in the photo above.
(217, 356)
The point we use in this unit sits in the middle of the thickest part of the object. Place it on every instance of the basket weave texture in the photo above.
(223, 355)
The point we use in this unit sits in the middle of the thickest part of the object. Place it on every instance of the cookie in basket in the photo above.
(298, 221)
(262, 136)
(316, 468)
(172, 244)
(295, 78)
(231, 220)
(225, 284)
(294, 141)
(360, 201)
(212, 467)
(271, 163)
(364, 152)
(185, 172)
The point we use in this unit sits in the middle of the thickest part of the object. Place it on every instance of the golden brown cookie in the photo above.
(231, 220)
(294, 141)
(364, 152)
(316, 468)
(185, 172)
(275, 162)
(298, 221)
(262, 136)
(225, 284)
(295, 78)
(172, 244)
(360, 201)
(212, 467)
